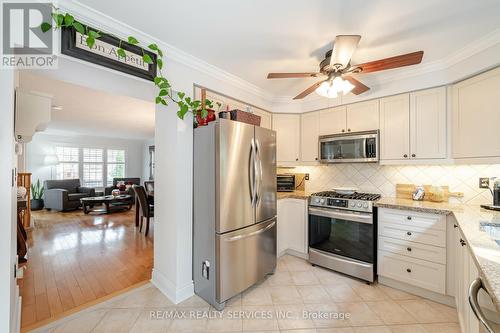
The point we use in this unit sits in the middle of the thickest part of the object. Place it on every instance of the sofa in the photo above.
(63, 195)
(126, 188)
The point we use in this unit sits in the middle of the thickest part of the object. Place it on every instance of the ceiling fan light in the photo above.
(337, 84)
(323, 88)
(332, 93)
(347, 87)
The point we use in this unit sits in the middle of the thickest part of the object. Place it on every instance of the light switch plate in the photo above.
(484, 182)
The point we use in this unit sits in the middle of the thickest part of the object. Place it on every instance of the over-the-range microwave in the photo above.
(349, 147)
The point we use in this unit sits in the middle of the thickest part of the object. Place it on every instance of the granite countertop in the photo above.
(484, 250)
(294, 195)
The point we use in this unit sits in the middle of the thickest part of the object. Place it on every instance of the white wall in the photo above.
(8, 287)
(43, 144)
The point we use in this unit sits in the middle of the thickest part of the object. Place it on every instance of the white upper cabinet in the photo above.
(265, 117)
(363, 116)
(428, 124)
(476, 116)
(395, 127)
(287, 127)
(332, 121)
(309, 129)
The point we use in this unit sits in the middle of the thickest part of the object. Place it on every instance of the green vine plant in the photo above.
(165, 94)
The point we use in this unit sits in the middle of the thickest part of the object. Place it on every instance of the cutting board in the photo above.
(405, 191)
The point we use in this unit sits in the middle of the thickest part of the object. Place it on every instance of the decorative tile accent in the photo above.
(383, 178)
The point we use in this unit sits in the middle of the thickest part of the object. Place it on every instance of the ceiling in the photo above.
(92, 112)
(249, 38)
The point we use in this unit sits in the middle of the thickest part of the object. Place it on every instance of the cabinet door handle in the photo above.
(474, 288)
(343, 130)
(462, 242)
(413, 155)
(408, 249)
(455, 226)
(409, 233)
(408, 217)
(408, 270)
(348, 130)
(405, 155)
(316, 158)
(296, 159)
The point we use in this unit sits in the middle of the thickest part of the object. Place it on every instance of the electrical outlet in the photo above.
(484, 182)
(306, 177)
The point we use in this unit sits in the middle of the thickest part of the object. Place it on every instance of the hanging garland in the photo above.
(185, 103)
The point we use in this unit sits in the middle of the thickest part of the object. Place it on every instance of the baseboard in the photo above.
(16, 326)
(294, 253)
(433, 296)
(174, 294)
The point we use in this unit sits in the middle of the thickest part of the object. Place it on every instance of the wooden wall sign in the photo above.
(104, 53)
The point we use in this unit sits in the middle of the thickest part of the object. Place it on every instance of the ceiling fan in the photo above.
(337, 69)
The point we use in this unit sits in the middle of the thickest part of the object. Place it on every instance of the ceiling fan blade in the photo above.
(359, 87)
(291, 75)
(343, 48)
(308, 90)
(392, 62)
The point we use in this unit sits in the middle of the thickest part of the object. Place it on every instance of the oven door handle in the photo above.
(334, 214)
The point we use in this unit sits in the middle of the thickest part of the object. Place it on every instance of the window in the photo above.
(93, 165)
(116, 165)
(68, 163)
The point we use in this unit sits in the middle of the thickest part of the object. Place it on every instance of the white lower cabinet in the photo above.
(412, 248)
(292, 226)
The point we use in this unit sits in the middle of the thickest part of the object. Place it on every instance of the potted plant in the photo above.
(37, 196)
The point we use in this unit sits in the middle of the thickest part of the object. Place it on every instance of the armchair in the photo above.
(62, 195)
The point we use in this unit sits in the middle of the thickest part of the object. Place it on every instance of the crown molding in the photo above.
(122, 30)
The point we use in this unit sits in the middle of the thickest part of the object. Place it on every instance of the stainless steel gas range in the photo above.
(342, 233)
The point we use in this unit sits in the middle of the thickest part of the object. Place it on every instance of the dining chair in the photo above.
(149, 185)
(146, 209)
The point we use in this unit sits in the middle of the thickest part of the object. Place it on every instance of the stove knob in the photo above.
(316, 200)
(353, 204)
(365, 205)
(359, 204)
(322, 201)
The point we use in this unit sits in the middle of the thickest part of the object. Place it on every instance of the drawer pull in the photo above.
(408, 217)
(409, 233)
(408, 249)
(408, 270)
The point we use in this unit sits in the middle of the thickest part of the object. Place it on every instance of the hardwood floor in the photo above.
(75, 259)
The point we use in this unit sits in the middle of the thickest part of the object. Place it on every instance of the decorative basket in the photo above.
(242, 116)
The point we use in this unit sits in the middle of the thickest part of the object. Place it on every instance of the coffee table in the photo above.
(111, 203)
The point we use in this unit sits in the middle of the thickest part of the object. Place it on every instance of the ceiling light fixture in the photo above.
(332, 88)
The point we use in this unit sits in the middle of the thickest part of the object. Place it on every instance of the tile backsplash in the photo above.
(383, 178)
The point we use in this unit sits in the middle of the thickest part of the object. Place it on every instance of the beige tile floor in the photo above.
(277, 304)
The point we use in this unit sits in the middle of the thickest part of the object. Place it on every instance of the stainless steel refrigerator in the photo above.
(234, 229)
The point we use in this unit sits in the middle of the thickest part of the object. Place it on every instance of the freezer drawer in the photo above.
(244, 257)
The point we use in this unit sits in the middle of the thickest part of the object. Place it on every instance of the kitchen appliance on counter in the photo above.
(343, 233)
(349, 147)
(496, 197)
(234, 228)
(285, 183)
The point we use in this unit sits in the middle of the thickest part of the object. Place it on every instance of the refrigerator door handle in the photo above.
(251, 234)
(258, 168)
(252, 173)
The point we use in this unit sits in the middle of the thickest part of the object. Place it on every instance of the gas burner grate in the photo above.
(354, 196)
